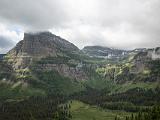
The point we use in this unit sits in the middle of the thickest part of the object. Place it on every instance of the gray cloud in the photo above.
(116, 23)
(33, 14)
(5, 44)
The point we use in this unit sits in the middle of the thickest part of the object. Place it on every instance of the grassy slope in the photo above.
(81, 111)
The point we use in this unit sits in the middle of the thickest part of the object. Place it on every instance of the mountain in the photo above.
(45, 51)
(42, 63)
(37, 46)
(104, 52)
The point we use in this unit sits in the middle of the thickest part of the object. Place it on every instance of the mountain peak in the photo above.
(47, 37)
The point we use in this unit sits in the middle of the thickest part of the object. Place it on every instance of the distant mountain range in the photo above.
(111, 53)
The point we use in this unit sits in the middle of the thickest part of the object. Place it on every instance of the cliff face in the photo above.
(36, 46)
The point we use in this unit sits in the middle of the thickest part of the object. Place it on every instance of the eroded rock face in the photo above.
(36, 46)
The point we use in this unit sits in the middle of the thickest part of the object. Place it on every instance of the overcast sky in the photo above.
(124, 24)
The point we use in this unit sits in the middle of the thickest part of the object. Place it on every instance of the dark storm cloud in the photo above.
(5, 42)
(115, 23)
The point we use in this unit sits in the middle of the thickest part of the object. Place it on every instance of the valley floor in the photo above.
(81, 111)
